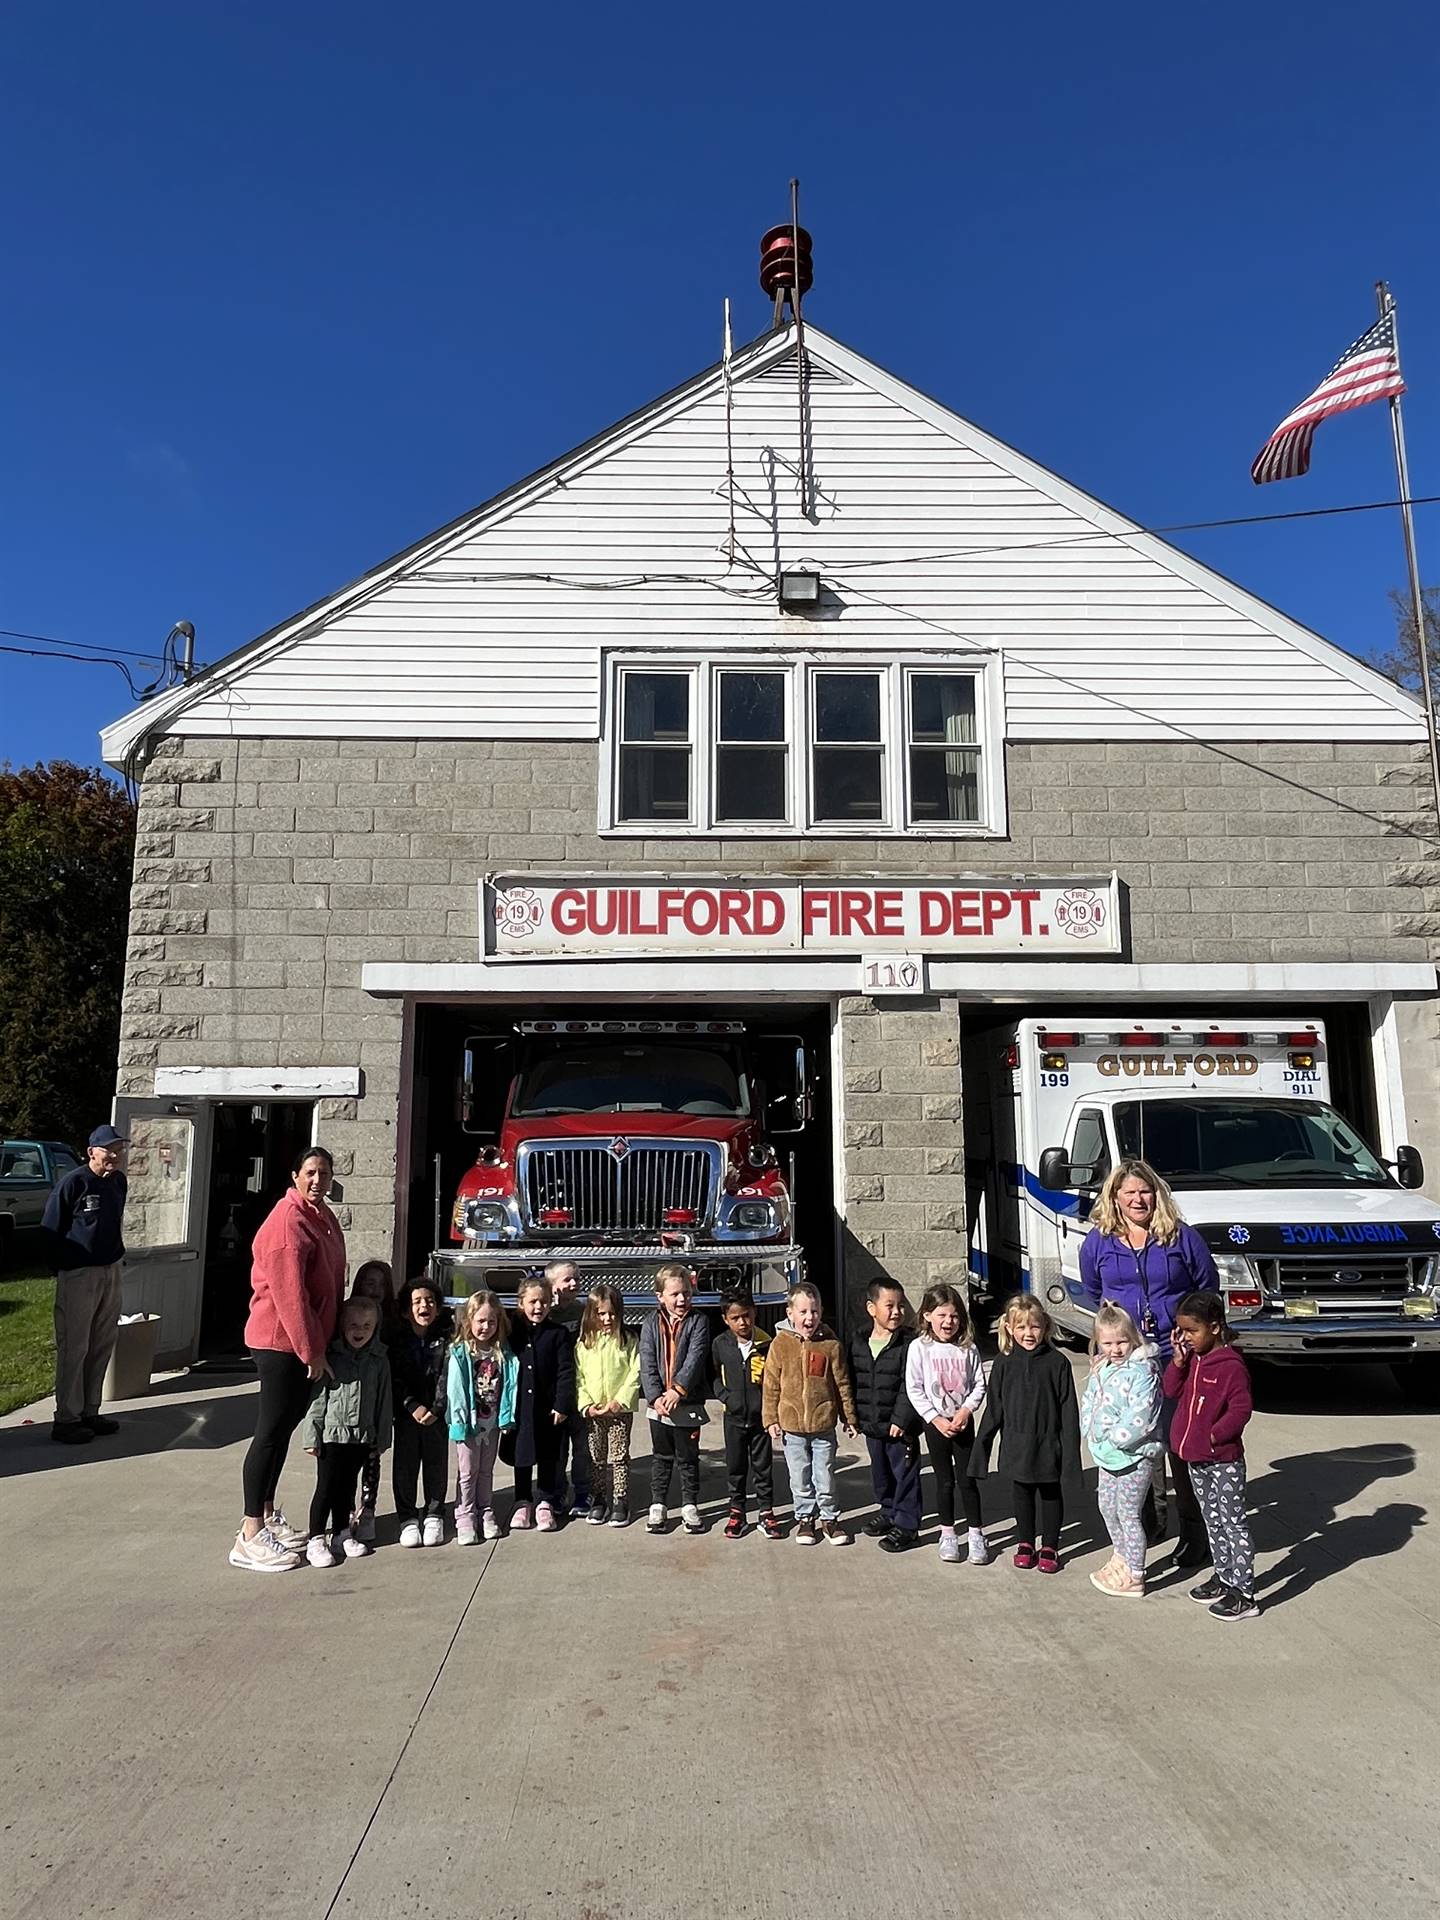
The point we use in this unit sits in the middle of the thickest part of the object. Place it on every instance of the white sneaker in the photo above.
(433, 1532)
(352, 1548)
(949, 1546)
(489, 1525)
(263, 1554)
(979, 1554)
(410, 1534)
(466, 1537)
(691, 1520)
(655, 1520)
(364, 1528)
(317, 1552)
(292, 1539)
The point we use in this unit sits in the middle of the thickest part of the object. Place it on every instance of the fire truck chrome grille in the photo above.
(1364, 1283)
(644, 1188)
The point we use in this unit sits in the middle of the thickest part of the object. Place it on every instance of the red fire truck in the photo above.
(626, 1143)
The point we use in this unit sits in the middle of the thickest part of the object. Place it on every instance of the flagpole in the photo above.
(1384, 300)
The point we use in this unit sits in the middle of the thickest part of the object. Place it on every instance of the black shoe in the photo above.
(897, 1540)
(1236, 1606)
(876, 1527)
(71, 1433)
(1211, 1591)
(99, 1423)
(1187, 1558)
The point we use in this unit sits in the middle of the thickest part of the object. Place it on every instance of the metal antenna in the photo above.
(801, 376)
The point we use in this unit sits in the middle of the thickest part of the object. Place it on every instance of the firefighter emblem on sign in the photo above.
(1080, 912)
(517, 913)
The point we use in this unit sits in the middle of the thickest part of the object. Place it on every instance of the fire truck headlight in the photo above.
(484, 1216)
(754, 1216)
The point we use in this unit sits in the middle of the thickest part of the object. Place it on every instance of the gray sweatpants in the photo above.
(87, 1320)
(1220, 1489)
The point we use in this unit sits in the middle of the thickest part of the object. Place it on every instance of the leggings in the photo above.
(667, 1445)
(548, 1469)
(1220, 1490)
(419, 1451)
(1122, 1498)
(608, 1435)
(336, 1471)
(285, 1392)
(1052, 1511)
(947, 1463)
(476, 1460)
(370, 1481)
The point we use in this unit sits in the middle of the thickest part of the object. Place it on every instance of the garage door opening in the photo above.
(472, 1066)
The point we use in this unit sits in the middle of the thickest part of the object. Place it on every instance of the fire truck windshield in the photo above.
(1247, 1143)
(609, 1077)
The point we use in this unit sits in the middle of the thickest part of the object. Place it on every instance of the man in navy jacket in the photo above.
(83, 1224)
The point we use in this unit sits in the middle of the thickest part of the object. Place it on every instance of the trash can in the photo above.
(128, 1374)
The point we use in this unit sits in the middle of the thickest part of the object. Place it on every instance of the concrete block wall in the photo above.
(268, 872)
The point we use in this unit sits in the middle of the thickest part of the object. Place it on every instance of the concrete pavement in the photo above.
(605, 1726)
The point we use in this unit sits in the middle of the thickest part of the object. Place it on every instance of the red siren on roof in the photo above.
(779, 249)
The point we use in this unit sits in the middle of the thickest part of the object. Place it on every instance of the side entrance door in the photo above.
(168, 1166)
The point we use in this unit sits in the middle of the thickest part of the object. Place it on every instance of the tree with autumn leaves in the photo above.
(67, 843)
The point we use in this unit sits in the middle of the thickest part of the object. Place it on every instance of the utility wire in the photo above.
(85, 646)
(85, 660)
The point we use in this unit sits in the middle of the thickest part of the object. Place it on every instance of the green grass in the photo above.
(27, 1333)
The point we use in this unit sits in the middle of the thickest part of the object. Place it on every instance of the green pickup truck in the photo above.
(28, 1170)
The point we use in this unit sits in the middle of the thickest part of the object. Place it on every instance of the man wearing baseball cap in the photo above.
(83, 1224)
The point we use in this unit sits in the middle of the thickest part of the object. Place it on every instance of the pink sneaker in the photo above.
(522, 1518)
(545, 1517)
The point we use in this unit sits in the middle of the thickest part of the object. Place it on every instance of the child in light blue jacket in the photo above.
(1120, 1417)
(480, 1405)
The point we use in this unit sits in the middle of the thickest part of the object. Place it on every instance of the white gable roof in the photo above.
(929, 533)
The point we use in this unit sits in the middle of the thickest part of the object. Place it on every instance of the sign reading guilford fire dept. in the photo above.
(529, 916)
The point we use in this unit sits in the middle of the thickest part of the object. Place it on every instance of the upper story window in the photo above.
(816, 747)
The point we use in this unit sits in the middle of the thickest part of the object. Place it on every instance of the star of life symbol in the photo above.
(1435, 1228)
(517, 913)
(1240, 1235)
(1080, 912)
(619, 1149)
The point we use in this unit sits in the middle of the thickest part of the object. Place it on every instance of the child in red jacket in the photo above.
(1210, 1384)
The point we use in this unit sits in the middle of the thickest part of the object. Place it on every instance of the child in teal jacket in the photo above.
(1120, 1416)
(480, 1402)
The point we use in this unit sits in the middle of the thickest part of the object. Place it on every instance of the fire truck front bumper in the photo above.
(766, 1272)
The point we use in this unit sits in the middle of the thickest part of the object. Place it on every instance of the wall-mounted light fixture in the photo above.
(799, 592)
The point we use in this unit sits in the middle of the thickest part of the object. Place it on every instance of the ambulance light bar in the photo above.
(629, 1026)
(1048, 1041)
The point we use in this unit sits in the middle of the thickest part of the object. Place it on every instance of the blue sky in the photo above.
(287, 287)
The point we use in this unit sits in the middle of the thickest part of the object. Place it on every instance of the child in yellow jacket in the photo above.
(806, 1390)
(607, 1392)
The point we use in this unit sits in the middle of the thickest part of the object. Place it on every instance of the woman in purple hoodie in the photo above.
(1141, 1255)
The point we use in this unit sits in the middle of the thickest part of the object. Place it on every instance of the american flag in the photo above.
(1370, 370)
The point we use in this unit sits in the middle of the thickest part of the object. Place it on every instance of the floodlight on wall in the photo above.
(799, 592)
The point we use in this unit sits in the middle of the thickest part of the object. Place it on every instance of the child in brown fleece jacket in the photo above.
(806, 1390)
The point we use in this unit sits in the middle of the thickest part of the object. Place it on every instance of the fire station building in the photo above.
(794, 701)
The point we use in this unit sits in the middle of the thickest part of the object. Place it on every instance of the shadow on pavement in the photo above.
(162, 1422)
(1309, 1489)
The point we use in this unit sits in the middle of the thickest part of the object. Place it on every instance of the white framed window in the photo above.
(828, 745)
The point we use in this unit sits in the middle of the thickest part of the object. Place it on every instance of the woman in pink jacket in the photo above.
(297, 1281)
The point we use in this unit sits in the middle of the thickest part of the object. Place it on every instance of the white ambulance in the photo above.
(1324, 1251)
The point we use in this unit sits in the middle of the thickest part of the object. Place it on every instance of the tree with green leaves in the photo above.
(67, 843)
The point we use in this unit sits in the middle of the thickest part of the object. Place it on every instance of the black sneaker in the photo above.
(100, 1423)
(1236, 1606)
(897, 1540)
(1211, 1591)
(71, 1433)
(875, 1528)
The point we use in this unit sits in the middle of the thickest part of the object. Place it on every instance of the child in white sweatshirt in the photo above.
(945, 1382)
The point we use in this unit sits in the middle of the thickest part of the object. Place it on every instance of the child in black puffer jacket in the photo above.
(419, 1341)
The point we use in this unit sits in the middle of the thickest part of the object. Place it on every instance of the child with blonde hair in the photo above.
(1120, 1419)
(1030, 1407)
(806, 1390)
(545, 1400)
(349, 1414)
(480, 1385)
(674, 1371)
(607, 1392)
(945, 1383)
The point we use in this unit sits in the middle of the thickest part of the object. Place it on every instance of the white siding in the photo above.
(498, 631)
